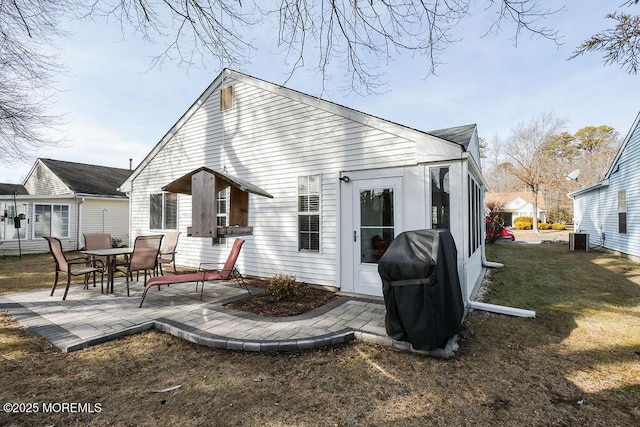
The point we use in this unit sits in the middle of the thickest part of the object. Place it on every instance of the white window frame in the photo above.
(430, 192)
(51, 207)
(163, 219)
(222, 215)
(622, 210)
(309, 213)
(4, 221)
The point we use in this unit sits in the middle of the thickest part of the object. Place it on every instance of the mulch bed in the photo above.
(306, 299)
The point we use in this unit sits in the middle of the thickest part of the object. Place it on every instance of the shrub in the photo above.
(282, 287)
(523, 223)
(544, 226)
(559, 227)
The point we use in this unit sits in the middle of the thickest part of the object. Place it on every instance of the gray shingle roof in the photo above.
(12, 188)
(89, 179)
(460, 134)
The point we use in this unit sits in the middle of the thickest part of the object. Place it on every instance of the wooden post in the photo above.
(203, 205)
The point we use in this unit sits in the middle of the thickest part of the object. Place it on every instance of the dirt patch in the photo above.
(307, 298)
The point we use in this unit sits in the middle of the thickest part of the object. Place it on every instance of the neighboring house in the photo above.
(609, 210)
(510, 206)
(65, 200)
(343, 185)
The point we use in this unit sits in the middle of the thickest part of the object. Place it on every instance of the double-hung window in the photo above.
(163, 211)
(222, 210)
(309, 213)
(622, 212)
(51, 220)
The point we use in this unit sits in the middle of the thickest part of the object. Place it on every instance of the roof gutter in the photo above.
(600, 184)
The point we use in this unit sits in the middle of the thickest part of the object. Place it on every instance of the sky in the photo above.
(117, 108)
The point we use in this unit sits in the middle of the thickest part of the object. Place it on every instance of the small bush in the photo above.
(544, 226)
(523, 223)
(282, 287)
(559, 227)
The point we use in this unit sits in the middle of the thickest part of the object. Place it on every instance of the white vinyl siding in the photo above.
(270, 140)
(597, 211)
(105, 216)
(45, 182)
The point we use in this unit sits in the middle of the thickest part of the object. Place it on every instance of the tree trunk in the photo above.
(534, 225)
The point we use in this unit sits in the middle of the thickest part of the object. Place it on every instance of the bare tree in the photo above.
(529, 158)
(358, 35)
(27, 73)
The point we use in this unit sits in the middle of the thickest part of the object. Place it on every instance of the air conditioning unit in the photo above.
(578, 242)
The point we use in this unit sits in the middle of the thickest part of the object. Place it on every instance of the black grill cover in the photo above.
(421, 288)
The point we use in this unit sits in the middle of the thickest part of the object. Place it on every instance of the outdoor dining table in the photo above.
(111, 255)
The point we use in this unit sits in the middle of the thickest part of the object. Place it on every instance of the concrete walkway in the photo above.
(88, 317)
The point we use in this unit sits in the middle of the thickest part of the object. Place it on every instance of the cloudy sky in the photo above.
(116, 108)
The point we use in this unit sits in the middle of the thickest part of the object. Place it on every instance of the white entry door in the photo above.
(377, 219)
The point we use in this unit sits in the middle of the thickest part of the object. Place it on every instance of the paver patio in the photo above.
(88, 317)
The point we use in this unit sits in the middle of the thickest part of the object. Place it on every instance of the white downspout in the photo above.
(79, 202)
(494, 308)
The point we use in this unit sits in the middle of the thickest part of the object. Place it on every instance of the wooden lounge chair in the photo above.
(204, 274)
(84, 265)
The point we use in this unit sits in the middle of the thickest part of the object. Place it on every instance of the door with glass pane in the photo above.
(377, 219)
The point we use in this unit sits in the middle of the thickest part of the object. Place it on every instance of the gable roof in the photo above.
(460, 136)
(634, 127)
(11, 189)
(82, 178)
(503, 199)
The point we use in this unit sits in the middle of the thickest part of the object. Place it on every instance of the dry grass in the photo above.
(577, 363)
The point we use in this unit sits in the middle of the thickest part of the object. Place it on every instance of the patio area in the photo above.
(88, 317)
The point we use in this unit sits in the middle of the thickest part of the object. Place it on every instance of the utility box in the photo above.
(578, 242)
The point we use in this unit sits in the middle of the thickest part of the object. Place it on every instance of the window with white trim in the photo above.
(51, 220)
(622, 211)
(476, 215)
(222, 211)
(8, 230)
(163, 211)
(309, 213)
(440, 194)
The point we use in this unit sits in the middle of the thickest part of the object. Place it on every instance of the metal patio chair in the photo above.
(72, 267)
(168, 251)
(206, 273)
(143, 258)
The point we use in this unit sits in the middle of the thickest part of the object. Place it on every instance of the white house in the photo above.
(339, 185)
(516, 204)
(65, 200)
(609, 210)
